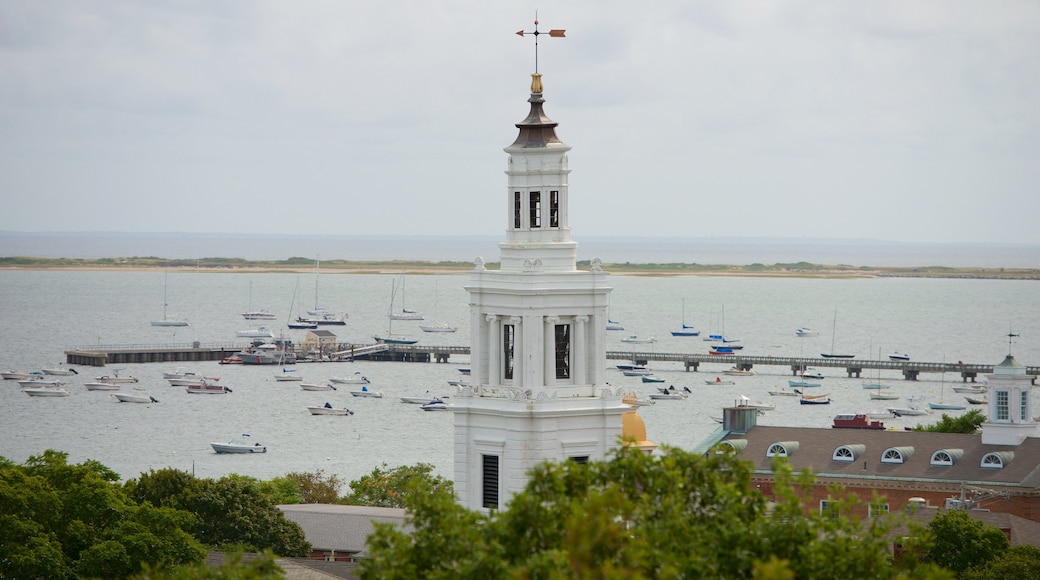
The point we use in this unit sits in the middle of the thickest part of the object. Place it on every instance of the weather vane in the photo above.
(1011, 336)
(557, 33)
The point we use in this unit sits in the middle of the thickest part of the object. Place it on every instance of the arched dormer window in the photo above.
(737, 445)
(946, 457)
(848, 453)
(897, 454)
(997, 459)
(782, 449)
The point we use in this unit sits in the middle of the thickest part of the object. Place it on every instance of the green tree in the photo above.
(1017, 562)
(967, 423)
(390, 487)
(230, 511)
(316, 486)
(59, 520)
(670, 515)
(960, 542)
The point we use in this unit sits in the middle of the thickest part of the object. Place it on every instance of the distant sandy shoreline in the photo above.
(667, 270)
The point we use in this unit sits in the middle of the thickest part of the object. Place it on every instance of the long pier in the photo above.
(853, 367)
(100, 355)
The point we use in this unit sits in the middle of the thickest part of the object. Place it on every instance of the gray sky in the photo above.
(905, 121)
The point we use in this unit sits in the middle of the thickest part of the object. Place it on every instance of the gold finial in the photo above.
(556, 32)
(536, 83)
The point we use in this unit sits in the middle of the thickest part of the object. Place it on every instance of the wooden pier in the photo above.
(100, 355)
(853, 368)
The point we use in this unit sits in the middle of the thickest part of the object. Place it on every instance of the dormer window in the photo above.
(997, 459)
(848, 453)
(946, 457)
(897, 454)
(782, 449)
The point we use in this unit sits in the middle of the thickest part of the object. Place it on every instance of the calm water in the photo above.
(43, 313)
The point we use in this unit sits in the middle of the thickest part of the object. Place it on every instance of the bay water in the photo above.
(43, 313)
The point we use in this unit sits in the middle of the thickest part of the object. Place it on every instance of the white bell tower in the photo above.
(538, 332)
(1010, 413)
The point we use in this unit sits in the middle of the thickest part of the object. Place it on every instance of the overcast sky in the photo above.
(906, 121)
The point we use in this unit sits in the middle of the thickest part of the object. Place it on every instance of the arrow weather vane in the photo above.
(1011, 336)
(557, 33)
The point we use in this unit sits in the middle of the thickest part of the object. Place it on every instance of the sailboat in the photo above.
(390, 337)
(942, 389)
(166, 321)
(405, 313)
(300, 323)
(437, 326)
(878, 394)
(723, 344)
(685, 330)
(832, 354)
(261, 314)
(317, 310)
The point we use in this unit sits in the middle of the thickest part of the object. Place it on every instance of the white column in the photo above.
(518, 352)
(549, 350)
(494, 354)
(579, 364)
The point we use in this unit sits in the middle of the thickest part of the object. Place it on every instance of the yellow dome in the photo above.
(633, 430)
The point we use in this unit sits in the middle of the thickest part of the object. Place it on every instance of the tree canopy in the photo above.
(390, 487)
(63, 520)
(960, 542)
(670, 515)
(967, 423)
(229, 512)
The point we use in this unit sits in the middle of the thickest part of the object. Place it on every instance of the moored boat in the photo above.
(101, 386)
(45, 391)
(856, 421)
(242, 444)
(328, 409)
(134, 398)
(639, 339)
(804, 332)
(364, 392)
(317, 387)
(435, 405)
(356, 379)
(207, 388)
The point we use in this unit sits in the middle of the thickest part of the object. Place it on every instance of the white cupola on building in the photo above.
(1010, 418)
(538, 332)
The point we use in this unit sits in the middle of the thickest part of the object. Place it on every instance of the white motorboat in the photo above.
(19, 375)
(268, 353)
(243, 444)
(806, 332)
(364, 392)
(317, 387)
(259, 332)
(102, 386)
(639, 339)
(911, 411)
(970, 390)
(207, 388)
(899, 356)
(183, 373)
(60, 371)
(614, 325)
(115, 377)
(720, 381)
(438, 327)
(422, 400)
(356, 379)
(883, 396)
(39, 382)
(761, 406)
(134, 398)
(812, 373)
(783, 392)
(288, 375)
(435, 405)
(262, 314)
(637, 371)
(739, 372)
(45, 391)
(328, 409)
(668, 396)
(458, 382)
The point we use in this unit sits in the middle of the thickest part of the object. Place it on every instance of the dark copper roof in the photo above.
(537, 130)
